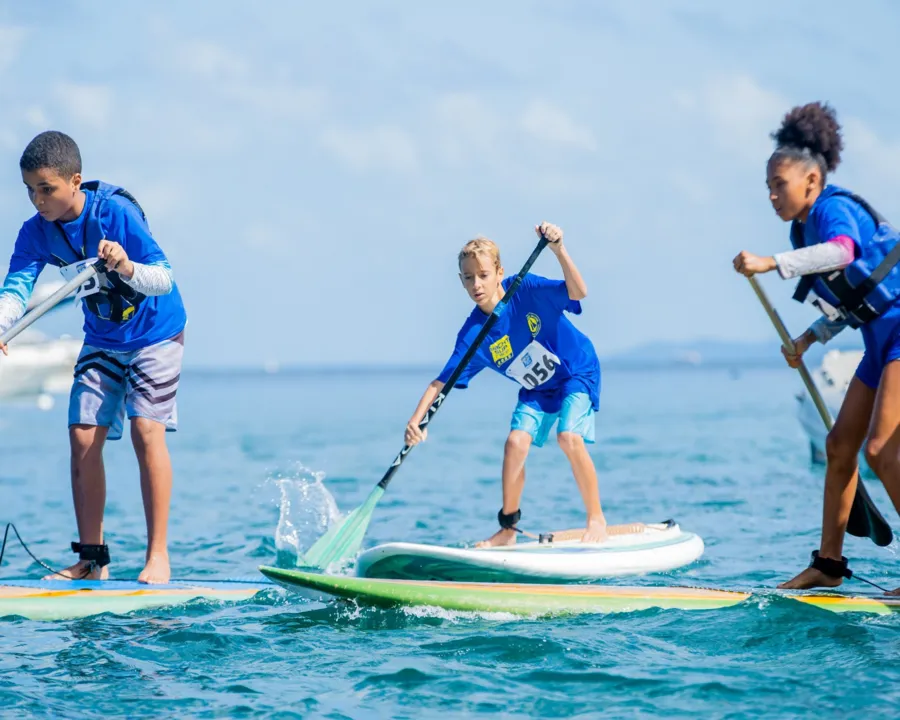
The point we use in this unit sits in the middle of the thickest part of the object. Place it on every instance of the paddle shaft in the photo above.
(53, 300)
(865, 519)
(466, 359)
(788, 343)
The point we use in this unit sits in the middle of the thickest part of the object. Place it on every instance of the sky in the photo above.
(313, 169)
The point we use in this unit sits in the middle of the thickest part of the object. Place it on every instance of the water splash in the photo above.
(306, 511)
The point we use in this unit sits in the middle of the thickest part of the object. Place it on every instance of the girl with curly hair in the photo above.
(846, 256)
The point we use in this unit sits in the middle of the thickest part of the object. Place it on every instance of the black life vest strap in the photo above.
(806, 282)
(804, 287)
(852, 298)
(121, 292)
(94, 186)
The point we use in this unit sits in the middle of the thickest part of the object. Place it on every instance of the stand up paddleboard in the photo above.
(654, 547)
(545, 600)
(68, 599)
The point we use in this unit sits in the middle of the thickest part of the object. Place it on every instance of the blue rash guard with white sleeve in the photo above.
(837, 214)
(121, 314)
(535, 344)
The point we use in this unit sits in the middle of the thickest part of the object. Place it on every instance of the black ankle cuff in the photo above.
(829, 567)
(96, 555)
(508, 522)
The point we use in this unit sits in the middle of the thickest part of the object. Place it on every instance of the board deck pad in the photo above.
(69, 599)
(537, 599)
(654, 548)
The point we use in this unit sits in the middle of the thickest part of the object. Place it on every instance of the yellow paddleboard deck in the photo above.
(62, 599)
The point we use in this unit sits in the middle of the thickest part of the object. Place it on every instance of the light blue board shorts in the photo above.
(109, 385)
(576, 415)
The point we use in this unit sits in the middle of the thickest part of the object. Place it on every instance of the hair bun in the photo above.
(813, 127)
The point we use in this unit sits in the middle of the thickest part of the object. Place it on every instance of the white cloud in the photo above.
(865, 151)
(548, 123)
(234, 78)
(465, 127)
(380, 148)
(183, 129)
(36, 117)
(212, 62)
(279, 98)
(691, 187)
(11, 42)
(88, 104)
(742, 114)
(264, 239)
(468, 131)
(161, 201)
(684, 100)
(9, 141)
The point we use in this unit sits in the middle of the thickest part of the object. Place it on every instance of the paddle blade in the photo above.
(866, 520)
(343, 540)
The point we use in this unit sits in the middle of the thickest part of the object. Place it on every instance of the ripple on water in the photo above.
(727, 461)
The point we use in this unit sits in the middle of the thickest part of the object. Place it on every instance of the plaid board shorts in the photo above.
(109, 385)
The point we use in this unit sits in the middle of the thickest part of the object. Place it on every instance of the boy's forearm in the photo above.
(14, 295)
(10, 311)
(150, 279)
(431, 392)
(574, 282)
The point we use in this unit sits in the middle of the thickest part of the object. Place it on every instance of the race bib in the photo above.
(88, 288)
(534, 366)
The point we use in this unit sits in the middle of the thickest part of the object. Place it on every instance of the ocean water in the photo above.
(263, 461)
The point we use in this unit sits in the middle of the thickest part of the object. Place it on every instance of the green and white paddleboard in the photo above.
(654, 547)
(545, 599)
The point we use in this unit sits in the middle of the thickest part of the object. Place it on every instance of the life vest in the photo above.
(116, 301)
(867, 287)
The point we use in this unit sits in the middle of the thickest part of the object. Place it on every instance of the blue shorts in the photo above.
(882, 343)
(575, 416)
(138, 383)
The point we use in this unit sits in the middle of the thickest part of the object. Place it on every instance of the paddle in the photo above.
(343, 541)
(53, 300)
(865, 520)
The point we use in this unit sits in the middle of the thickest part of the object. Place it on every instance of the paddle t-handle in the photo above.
(53, 300)
(865, 519)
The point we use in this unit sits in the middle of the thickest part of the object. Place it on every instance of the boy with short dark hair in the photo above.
(134, 338)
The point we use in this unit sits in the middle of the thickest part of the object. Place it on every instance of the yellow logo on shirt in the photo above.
(501, 351)
(534, 324)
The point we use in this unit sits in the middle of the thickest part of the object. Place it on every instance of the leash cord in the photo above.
(874, 585)
(33, 556)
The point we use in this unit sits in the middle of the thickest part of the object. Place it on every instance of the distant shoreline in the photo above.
(610, 365)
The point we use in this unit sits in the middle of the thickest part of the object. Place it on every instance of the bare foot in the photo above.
(157, 570)
(596, 531)
(810, 578)
(79, 571)
(893, 592)
(499, 539)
